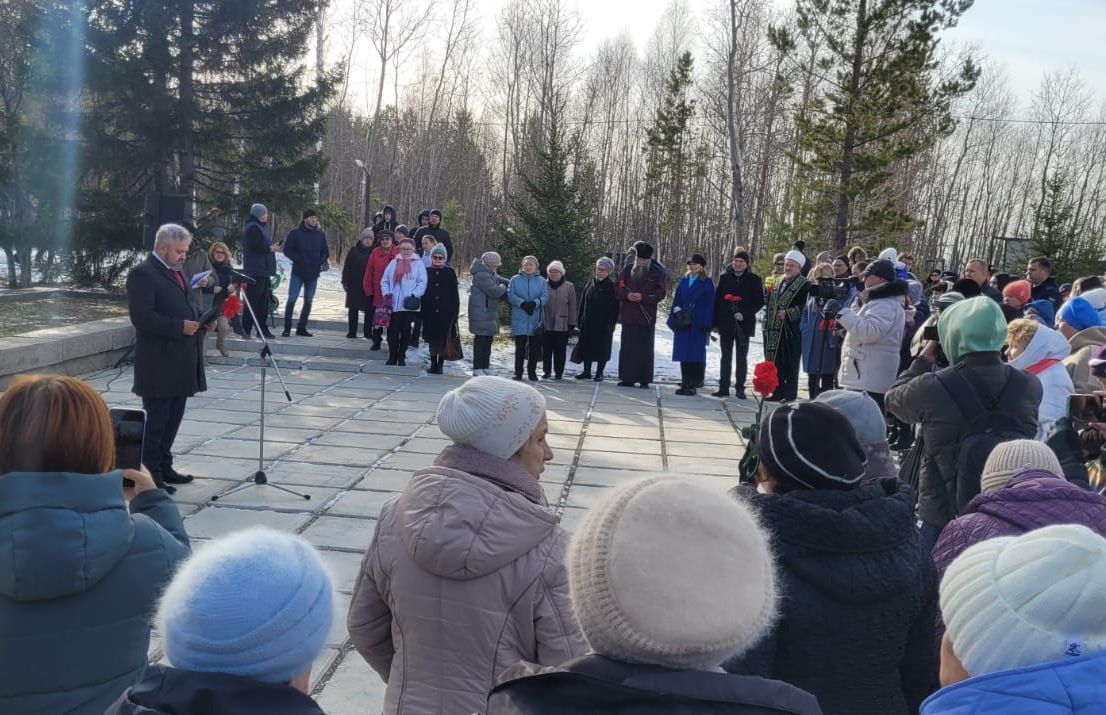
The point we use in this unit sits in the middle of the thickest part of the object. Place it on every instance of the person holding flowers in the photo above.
(783, 339)
(737, 300)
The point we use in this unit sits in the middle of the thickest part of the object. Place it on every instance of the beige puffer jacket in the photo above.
(1084, 344)
(464, 578)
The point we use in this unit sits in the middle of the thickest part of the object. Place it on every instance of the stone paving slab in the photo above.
(352, 440)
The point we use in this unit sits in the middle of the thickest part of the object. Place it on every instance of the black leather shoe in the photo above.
(351, 335)
(285, 334)
(173, 477)
(623, 383)
(584, 376)
(375, 347)
(720, 393)
(268, 335)
(598, 377)
(390, 361)
(740, 394)
(644, 386)
(303, 332)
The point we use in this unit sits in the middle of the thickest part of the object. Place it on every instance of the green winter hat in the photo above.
(975, 325)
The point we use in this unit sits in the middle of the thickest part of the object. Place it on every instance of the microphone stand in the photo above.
(259, 476)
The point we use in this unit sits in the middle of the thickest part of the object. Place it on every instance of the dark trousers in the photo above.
(399, 333)
(527, 350)
(294, 287)
(878, 397)
(481, 352)
(163, 418)
(555, 343)
(817, 384)
(692, 374)
(355, 317)
(258, 294)
(734, 346)
(416, 329)
(599, 366)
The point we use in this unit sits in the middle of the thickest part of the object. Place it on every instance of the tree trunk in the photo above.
(733, 116)
(848, 148)
(187, 108)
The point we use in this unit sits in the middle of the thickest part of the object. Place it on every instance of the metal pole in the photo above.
(261, 441)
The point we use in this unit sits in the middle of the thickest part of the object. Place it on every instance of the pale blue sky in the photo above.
(1027, 37)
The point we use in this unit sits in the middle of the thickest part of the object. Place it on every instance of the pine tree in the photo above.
(555, 216)
(668, 153)
(212, 100)
(883, 103)
(1055, 234)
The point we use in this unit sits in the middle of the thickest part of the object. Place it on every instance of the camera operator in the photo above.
(821, 345)
(873, 332)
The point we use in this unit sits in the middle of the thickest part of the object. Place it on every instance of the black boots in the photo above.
(436, 362)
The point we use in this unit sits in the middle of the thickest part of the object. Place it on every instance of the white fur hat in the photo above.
(556, 266)
(667, 572)
(889, 254)
(796, 256)
(1015, 601)
(491, 414)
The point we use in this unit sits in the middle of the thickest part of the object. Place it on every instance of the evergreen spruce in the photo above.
(1056, 235)
(555, 216)
(211, 100)
(668, 154)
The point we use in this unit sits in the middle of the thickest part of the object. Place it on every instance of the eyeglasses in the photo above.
(220, 253)
(778, 264)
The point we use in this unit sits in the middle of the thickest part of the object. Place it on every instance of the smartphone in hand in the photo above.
(129, 426)
(1084, 409)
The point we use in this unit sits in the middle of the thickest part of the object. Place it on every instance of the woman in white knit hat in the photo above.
(465, 575)
(1026, 627)
(669, 579)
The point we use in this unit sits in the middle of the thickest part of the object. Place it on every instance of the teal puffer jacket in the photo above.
(79, 580)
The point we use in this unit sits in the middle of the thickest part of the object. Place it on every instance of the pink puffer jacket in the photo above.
(464, 578)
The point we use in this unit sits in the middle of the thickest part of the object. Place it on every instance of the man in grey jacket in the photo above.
(488, 289)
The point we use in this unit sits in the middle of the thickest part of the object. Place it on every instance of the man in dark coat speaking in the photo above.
(168, 348)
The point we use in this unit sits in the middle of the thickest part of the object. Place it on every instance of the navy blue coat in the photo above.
(690, 344)
(307, 250)
(79, 581)
(258, 260)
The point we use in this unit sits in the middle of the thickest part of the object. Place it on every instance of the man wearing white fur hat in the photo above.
(783, 339)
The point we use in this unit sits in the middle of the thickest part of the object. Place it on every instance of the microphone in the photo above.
(241, 276)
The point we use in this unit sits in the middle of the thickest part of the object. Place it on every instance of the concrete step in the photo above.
(294, 361)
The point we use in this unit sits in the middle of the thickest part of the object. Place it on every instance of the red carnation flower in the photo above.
(731, 297)
(231, 306)
(765, 378)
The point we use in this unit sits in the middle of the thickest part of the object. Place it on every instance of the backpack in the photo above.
(986, 425)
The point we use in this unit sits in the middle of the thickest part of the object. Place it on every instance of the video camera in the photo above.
(830, 289)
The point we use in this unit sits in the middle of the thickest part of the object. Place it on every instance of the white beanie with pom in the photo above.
(491, 414)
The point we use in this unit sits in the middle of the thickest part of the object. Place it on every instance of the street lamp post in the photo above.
(365, 192)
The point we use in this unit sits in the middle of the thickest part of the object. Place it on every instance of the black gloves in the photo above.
(832, 308)
(529, 306)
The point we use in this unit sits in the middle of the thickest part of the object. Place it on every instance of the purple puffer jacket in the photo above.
(1031, 500)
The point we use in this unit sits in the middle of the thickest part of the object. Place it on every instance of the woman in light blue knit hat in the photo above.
(241, 624)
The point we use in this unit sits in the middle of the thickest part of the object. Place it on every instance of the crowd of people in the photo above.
(967, 577)
(811, 590)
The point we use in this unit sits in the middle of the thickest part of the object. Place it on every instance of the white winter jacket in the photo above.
(413, 284)
(870, 353)
(1048, 344)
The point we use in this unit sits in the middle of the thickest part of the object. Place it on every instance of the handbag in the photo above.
(682, 320)
(382, 316)
(412, 303)
(452, 350)
(575, 356)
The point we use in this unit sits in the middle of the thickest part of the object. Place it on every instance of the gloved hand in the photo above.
(832, 307)
(529, 306)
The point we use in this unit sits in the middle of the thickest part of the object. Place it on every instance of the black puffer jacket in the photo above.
(596, 684)
(169, 691)
(918, 397)
(859, 600)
